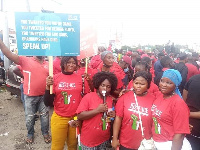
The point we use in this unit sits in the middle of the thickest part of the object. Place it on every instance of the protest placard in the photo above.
(47, 34)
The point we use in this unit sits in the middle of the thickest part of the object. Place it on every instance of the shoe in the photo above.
(47, 138)
(29, 140)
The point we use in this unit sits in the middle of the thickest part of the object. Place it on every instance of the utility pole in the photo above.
(7, 62)
(28, 6)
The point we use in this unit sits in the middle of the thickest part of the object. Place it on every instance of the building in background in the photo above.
(12, 41)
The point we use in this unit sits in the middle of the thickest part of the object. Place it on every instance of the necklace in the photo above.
(141, 94)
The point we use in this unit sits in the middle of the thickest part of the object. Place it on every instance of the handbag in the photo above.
(145, 144)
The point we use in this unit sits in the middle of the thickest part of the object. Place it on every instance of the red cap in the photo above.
(127, 60)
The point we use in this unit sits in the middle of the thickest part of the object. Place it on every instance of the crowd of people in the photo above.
(120, 100)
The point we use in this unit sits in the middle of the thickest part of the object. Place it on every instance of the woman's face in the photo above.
(140, 85)
(123, 65)
(109, 59)
(105, 86)
(70, 66)
(166, 86)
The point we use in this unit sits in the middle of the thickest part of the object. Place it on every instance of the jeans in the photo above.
(102, 146)
(22, 93)
(124, 148)
(32, 105)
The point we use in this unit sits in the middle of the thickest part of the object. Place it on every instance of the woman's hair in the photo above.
(146, 59)
(101, 76)
(103, 54)
(65, 59)
(144, 64)
(146, 75)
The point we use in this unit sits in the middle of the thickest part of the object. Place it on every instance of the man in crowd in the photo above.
(195, 57)
(35, 72)
(167, 63)
(192, 69)
(191, 94)
(182, 68)
(157, 66)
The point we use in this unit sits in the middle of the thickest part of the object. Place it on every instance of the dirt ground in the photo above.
(12, 126)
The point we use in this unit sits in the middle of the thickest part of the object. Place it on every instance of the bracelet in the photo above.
(75, 118)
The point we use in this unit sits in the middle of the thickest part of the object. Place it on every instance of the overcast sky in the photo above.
(139, 21)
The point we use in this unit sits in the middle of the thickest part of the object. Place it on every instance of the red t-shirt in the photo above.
(72, 86)
(116, 69)
(95, 61)
(171, 116)
(35, 75)
(56, 66)
(125, 108)
(91, 131)
(192, 70)
(20, 68)
(152, 72)
(153, 58)
(153, 88)
(81, 71)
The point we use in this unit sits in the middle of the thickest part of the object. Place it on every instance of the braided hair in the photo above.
(144, 65)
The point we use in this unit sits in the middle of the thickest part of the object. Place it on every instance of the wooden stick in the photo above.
(86, 65)
(51, 71)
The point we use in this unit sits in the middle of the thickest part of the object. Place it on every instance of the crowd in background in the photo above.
(121, 98)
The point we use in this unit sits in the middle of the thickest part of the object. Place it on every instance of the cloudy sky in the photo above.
(135, 21)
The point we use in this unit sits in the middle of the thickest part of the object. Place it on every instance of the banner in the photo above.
(47, 34)
(88, 42)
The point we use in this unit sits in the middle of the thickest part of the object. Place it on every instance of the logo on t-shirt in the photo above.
(66, 97)
(143, 111)
(157, 113)
(156, 125)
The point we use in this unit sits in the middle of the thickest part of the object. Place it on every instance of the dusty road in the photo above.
(12, 126)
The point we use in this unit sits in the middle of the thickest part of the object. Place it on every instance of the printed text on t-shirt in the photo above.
(66, 86)
(155, 111)
(142, 110)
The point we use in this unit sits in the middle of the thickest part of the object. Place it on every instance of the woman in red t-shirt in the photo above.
(95, 110)
(170, 114)
(142, 66)
(127, 124)
(67, 88)
(108, 65)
